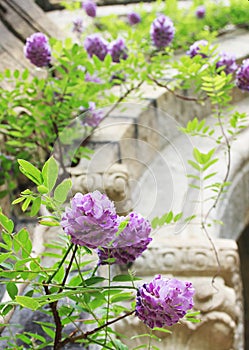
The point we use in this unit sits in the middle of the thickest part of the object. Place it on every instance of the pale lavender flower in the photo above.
(78, 26)
(163, 302)
(91, 220)
(130, 243)
(134, 18)
(96, 45)
(195, 49)
(92, 78)
(228, 62)
(200, 11)
(92, 116)
(37, 50)
(90, 7)
(162, 31)
(242, 76)
(118, 50)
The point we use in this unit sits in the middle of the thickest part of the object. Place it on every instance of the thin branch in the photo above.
(61, 263)
(182, 97)
(86, 334)
(204, 221)
(68, 268)
(57, 320)
(121, 98)
(227, 170)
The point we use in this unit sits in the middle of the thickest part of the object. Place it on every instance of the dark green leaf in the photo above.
(12, 289)
(125, 278)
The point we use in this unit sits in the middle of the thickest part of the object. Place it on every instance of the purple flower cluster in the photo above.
(162, 31)
(242, 76)
(134, 18)
(163, 302)
(92, 221)
(90, 7)
(228, 63)
(78, 26)
(96, 45)
(37, 50)
(93, 116)
(200, 12)
(130, 243)
(118, 50)
(195, 49)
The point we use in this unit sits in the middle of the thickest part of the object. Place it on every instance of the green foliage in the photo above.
(42, 115)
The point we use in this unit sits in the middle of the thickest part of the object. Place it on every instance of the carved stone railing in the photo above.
(220, 303)
(114, 182)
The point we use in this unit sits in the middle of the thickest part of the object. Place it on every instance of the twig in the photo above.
(121, 98)
(213, 206)
(86, 334)
(61, 263)
(182, 97)
(227, 170)
(57, 320)
(68, 268)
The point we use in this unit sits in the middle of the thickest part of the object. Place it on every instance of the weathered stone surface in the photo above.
(220, 303)
(114, 182)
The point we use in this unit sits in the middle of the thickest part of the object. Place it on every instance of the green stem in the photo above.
(86, 335)
(68, 268)
(61, 263)
(108, 300)
(149, 344)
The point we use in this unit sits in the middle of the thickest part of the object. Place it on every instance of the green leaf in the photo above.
(16, 73)
(18, 200)
(209, 176)
(177, 217)
(50, 173)
(61, 191)
(49, 223)
(6, 223)
(197, 155)
(24, 339)
(42, 189)
(12, 290)
(26, 203)
(49, 332)
(169, 217)
(125, 278)
(7, 308)
(35, 206)
(213, 161)
(94, 280)
(3, 193)
(194, 165)
(155, 222)
(26, 245)
(25, 74)
(121, 297)
(36, 336)
(161, 330)
(4, 256)
(29, 303)
(30, 171)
